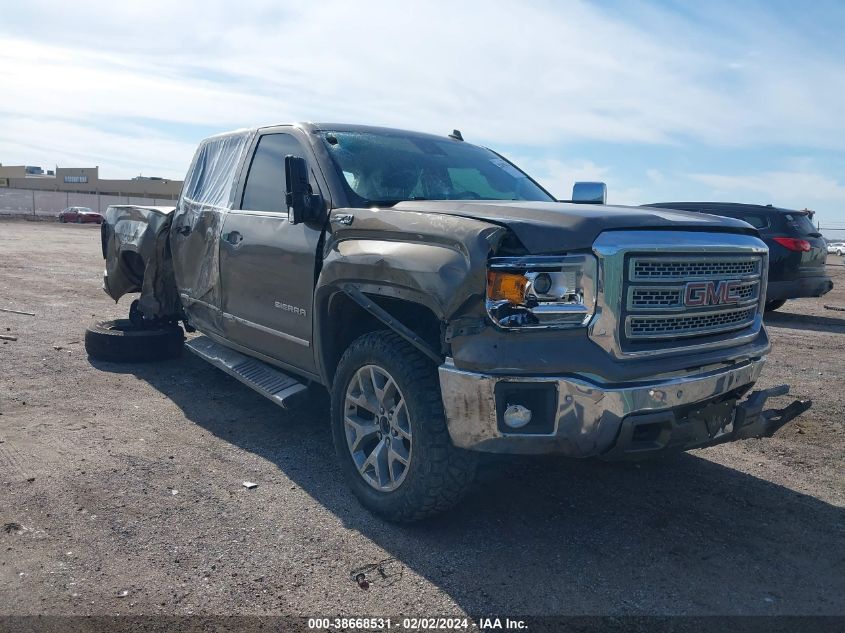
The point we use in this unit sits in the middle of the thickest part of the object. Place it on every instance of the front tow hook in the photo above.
(752, 421)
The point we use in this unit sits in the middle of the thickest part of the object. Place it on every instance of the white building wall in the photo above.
(50, 203)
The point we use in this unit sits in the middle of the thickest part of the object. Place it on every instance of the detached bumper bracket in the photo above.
(384, 316)
(751, 421)
(704, 427)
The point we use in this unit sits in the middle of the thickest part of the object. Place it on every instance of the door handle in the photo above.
(233, 237)
(183, 230)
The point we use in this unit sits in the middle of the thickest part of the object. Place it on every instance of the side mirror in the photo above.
(302, 204)
(589, 192)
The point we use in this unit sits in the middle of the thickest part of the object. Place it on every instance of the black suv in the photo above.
(797, 251)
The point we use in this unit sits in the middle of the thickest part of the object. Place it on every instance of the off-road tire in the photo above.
(771, 306)
(120, 341)
(439, 473)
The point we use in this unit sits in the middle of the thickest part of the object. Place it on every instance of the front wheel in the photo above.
(390, 434)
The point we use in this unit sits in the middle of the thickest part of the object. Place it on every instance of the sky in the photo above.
(664, 101)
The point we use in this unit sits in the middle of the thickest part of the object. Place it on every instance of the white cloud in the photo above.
(505, 73)
(119, 155)
(631, 196)
(558, 176)
(782, 188)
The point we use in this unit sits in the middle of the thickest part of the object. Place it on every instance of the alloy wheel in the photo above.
(377, 428)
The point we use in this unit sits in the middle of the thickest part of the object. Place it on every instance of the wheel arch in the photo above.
(341, 320)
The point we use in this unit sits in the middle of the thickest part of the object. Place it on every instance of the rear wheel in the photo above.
(771, 306)
(390, 432)
(121, 341)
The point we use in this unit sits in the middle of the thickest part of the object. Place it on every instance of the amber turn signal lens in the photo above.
(506, 287)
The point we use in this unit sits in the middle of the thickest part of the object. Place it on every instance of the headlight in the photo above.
(525, 292)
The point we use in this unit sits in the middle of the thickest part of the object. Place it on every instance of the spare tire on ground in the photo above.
(120, 341)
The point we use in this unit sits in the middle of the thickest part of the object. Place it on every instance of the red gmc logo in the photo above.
(709, 293)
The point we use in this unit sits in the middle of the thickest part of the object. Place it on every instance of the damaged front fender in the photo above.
(400, 260)
(438, 261)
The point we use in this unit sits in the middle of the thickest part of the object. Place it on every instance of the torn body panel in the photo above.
(138, 259)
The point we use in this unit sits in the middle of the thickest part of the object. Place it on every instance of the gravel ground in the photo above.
(121, 490)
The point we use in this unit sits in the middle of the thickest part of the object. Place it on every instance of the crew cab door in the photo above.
(267, 264)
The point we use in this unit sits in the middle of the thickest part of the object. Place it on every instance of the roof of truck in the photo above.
(352, 127)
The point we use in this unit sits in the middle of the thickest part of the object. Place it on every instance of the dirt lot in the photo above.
(120, 488)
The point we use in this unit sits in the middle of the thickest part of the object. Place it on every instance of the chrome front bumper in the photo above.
(587, 416)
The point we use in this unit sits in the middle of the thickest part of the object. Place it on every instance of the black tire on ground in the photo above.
(438, 473)
(771, 306)
(62, 220)
(121, 342)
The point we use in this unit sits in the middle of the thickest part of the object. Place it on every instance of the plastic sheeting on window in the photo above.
(211, 179)
(208, 194)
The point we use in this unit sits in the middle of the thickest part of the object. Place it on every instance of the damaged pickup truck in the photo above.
(448, 303)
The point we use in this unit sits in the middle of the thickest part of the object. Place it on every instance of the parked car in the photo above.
(80, 215)
(797, 251)
(836, 248)
(447, 302)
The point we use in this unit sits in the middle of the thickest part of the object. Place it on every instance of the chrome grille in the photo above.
(656, 290)
(655, 297)
(692, 268)
(658, 273)
(672, 297)
(689, 324)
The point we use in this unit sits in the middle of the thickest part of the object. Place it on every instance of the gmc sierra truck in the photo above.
(447, 302)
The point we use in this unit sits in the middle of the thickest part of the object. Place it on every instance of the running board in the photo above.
(270, 382)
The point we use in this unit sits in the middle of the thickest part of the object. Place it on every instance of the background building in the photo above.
(86, 180)
(30, 190)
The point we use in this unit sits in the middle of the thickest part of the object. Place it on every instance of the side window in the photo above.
(757, 221)
(211, 178)
(265, 182)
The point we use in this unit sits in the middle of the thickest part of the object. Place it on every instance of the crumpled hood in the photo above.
(555, 227)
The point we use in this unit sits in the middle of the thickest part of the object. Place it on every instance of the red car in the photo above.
(80, 215)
